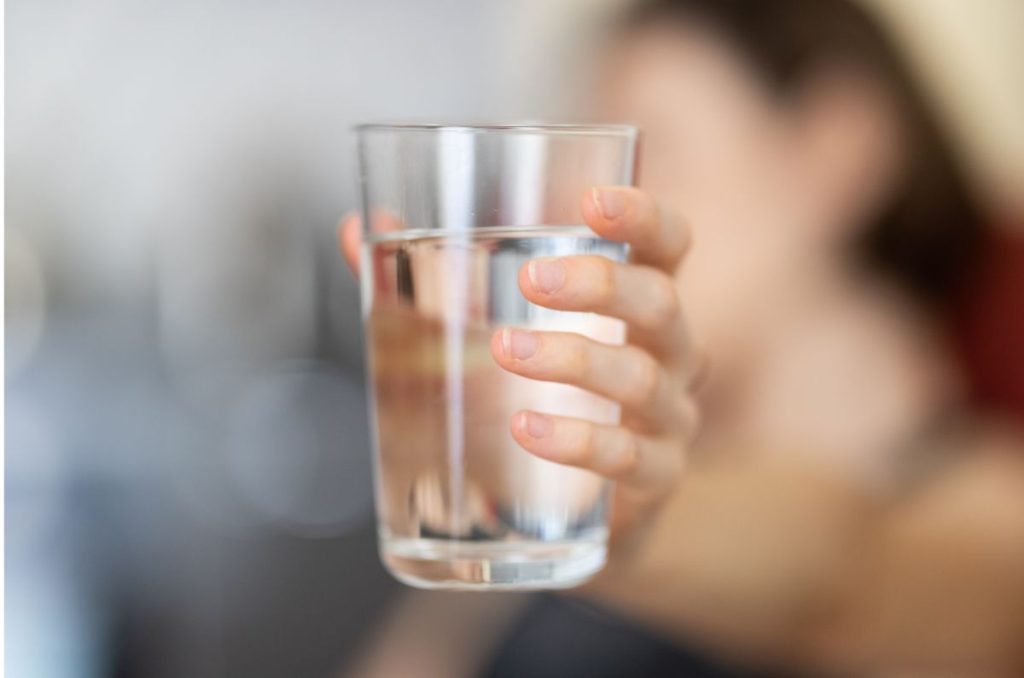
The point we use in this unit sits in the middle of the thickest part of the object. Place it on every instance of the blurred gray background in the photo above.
(188, 475)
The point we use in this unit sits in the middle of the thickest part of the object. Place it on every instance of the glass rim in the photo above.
(621, 130)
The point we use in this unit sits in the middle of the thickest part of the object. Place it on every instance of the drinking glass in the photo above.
(450, 215)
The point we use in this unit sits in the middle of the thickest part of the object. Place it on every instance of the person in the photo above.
(845, 507)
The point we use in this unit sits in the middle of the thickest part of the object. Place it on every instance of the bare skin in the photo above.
(768, 557)
(650, 376)
(814, 523)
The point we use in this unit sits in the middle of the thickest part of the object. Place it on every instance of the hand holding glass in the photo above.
(451, 216)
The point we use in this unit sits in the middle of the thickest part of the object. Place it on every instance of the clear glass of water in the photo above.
(450, 215)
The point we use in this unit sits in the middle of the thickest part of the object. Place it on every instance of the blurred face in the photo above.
(743, 167)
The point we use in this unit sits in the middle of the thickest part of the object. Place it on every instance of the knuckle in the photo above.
(585, 447)
(577, 358)
(688, 418)
(675, 467)
(676, 235)
(671, 467)
(685, 236)
(627, 456)
(679, 229)
(645, 207)
(602, 282)
(646, 379)
(663, 305)
(696, 421)
(640, 214)
(697, 369)
(636, 200)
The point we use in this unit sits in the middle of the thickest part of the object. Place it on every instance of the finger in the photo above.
(610, 451)
(625, 374)
(700, 374)
(349, 240)
(626, 214)
(644, 297)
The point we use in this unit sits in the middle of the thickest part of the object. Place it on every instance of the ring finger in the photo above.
(610, 451)
(625, 374)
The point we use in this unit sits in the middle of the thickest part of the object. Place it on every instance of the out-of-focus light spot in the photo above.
(298, 450)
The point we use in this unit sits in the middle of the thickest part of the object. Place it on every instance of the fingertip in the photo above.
(519, 425)
(589, 208)
(594, 217)
(525, 282)
(611, 202)
(500, 341)
(609, 210)
(518, 421)
(543, 280)
(533, 432)
(535, 425)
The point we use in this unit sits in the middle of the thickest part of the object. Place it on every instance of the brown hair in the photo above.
(926, 236)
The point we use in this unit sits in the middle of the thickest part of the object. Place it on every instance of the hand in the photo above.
(650, 377)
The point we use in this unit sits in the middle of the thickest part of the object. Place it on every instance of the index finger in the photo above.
(625, 214)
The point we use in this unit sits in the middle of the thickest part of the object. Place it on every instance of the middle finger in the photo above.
(625, 374)
(644, 297)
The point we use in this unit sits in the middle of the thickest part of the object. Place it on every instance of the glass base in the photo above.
(490, 566)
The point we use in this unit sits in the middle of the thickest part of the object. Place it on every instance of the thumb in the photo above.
(349, 238)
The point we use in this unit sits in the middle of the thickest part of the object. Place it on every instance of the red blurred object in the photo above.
(989, 326)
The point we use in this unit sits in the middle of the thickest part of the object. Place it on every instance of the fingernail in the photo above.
(536, 425)
(519, 345)
(546, 275)
(609, 203)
